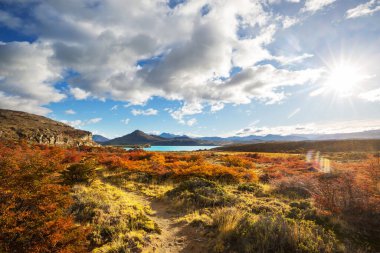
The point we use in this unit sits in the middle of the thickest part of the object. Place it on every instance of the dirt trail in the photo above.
(175, 236)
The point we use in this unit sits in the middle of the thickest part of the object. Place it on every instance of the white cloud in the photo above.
(372, 95)
(147, 112)
(279, 1)
(22, 104)
(74, 123)
(264, 83)
(27, 77)
(125, 121)
(80, 123)
(94, 120)
(193, 58)
(311, 128)
(113, 108)
(191, 122)
(191, 108)
(79, 94)
(261, 83)
(70, 111)
(293, 113)
(315, 5)
(217, 106)
(289, 21)
(364, 9)
(288, 60)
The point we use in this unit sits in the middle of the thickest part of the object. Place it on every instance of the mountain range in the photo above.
(16, 125)
(138, 137)
(167, 139)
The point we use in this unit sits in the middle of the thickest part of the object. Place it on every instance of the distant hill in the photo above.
(255, 138)
(99, 138)
(16, 126)
(135, 138)
(304, 146)
(140, 138)
(171, 136)
(373, 134)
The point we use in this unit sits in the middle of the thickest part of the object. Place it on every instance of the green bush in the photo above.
(199, 192)
(268, 206)
(256, 189)
(275, 234)
(79, 173)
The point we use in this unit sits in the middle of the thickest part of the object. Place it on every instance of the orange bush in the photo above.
(33, 205)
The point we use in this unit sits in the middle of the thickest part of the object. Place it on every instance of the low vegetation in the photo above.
(118, 223)
(243, 232)
(94, 199)
(198, 192)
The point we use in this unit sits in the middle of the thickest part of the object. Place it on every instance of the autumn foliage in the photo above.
(46, 191)
(33, 204)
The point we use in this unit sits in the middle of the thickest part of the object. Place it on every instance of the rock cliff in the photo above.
(15, 125)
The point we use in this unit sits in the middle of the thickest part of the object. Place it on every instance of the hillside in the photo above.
(304, 146)
(99, 138)
(135, 138)
(16, 126)
(140, 138)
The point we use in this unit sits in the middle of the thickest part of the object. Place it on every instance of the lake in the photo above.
(176, 148)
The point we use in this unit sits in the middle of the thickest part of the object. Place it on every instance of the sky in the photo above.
(195, 67)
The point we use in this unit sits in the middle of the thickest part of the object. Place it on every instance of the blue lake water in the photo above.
(176, 148)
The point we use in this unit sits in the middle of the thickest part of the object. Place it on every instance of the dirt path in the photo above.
(175, 236)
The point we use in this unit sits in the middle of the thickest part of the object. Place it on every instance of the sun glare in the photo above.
(343, 79)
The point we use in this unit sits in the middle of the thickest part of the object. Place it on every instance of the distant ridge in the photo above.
(171, 136)
(167, 139)
(353, 145)
(256, 138)
(138, 137)
(99, 138)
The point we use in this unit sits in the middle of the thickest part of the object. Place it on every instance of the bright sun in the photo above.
(343, 79)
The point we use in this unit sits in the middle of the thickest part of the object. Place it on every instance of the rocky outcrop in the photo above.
(16, 126)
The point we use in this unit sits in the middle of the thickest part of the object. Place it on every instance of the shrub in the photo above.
(268, 206)
(353, 197)
(294, 187)
(304, 210)
(237, 161)
(265, 178)
(253, 188)
(227, 219)
(33, 205)
(199, 192)
(79, 173)
(251, 233)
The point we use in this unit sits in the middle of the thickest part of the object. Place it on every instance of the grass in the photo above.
(117, 221)
(243, 232)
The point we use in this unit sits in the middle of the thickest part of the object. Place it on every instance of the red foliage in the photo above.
(33, 205)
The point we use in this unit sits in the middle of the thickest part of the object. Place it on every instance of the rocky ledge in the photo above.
(17, 126)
